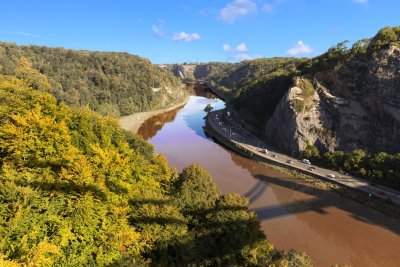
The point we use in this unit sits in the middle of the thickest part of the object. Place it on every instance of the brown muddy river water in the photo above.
(329, 228)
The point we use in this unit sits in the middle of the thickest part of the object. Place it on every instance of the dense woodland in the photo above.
(77, 190)
(109, 83)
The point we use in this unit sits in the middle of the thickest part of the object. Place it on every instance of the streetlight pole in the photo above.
(292, 153)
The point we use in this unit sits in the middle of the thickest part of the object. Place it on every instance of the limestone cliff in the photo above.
(356, 105)
(184, 71)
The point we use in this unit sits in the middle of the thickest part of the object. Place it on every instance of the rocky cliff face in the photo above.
(184, 71)
(354, 106)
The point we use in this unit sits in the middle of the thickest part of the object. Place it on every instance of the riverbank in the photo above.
(132, 122)
(237, 138)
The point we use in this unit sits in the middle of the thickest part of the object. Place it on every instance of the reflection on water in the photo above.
(293, 215)
(204, 96)
(201, 90)
(151, 126)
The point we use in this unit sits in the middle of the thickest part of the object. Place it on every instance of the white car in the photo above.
(265, 151)
(306, 161)
(331, 175)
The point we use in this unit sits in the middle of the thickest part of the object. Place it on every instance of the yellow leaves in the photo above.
(43, 254)
(127, 238)
(164, 170)
(67, 177)
(8, 263)
(33, 133)
(8, 82)
(101, 156)
(65, 234)
(112, 164)
(36, 139)
(121, 211)
(32, 77)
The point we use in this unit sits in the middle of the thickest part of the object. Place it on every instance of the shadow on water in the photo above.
(321, 200)
(256, 191)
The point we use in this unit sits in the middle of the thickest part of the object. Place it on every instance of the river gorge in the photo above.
(293, 214)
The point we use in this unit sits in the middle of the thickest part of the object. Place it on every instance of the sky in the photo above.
(177, 31)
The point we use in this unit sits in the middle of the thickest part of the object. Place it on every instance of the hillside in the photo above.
(230, 79)
(77, 190)
(109, 83)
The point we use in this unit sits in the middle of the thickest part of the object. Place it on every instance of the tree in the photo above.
(33, 77)
(355, 161)
(195, 189)
(310, 151)
(208, 108)
(385, 37)
(334, 159)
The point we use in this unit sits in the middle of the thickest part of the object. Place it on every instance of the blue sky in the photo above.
(196, 30)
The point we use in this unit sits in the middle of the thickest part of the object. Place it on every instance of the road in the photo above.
(239, 135)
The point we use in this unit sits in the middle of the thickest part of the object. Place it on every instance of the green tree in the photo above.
(355, 161)
(310, 151)
(385, 37)
(195, 189)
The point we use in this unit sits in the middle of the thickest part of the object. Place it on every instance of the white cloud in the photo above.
(23, 33)
(241, 56)
(186, 37)
(239, 53)
(360, 1)
(236, 9)
(299, 48)
(157, 29)
(226, 48)
(241, 48)
(268, 8)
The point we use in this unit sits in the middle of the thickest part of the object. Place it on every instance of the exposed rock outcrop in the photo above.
(343, 108)
(184, 71)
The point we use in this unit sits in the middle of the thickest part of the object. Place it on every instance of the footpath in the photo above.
(233, 135)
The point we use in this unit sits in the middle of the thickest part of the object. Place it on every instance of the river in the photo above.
(329, 228)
